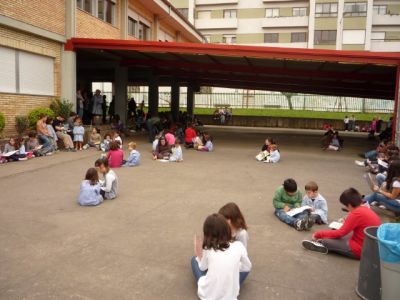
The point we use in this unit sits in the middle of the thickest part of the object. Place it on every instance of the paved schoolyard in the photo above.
(139, 245)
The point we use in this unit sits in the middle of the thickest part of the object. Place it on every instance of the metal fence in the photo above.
(277, 101)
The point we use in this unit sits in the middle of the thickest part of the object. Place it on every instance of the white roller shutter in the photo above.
(7, 71)
(36, 74)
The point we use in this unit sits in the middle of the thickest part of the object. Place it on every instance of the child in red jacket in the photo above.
(347, 240)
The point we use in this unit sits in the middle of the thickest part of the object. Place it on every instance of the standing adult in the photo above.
(97, 109)
(58, 125)
(87, 108)
(132, 108)
(104, 108)
(80, 102)
(43, 133)
(346, 122)
(111, 109)
(142, 105)
(379, 122)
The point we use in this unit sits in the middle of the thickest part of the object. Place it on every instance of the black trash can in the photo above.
(369, 276)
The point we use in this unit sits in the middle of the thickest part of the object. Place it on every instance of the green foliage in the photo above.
(2, 122)
(61, 107)
(21, 124)
(33, 115)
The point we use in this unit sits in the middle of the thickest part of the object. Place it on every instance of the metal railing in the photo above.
(276, 101)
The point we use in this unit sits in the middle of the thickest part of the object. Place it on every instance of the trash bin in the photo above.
(389, 252)
(369, 275)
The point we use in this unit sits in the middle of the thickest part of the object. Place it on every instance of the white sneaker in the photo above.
(23, 158)
(382, 207)
(314, 246)
(359, 163)
(374, 203)
(49, 153)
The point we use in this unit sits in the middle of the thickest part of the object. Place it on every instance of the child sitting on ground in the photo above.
(134, 156)
(156, 140)
(117, 138)
(115, 156)
(265, 150)
(109, 187)
(286, 198)
(105, 146)
(79, 132)
(318, 204)
(236, 222)
(33, 145)
(13, 151)
(177, 155)
(274, 155)
(208, 145)
(163, 150)
(218, 261)
(89, 193)
(94, 139)
(169, 136)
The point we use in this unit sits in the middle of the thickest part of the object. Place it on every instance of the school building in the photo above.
(371, 25)
(34, 66)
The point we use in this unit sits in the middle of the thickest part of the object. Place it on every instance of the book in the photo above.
(8, 154)
(335, 225)
(298, 210)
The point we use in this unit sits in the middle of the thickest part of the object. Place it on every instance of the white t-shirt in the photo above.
(242, 236)
(396, 184)
(222, 279)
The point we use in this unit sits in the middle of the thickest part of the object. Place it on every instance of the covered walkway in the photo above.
(325, 72)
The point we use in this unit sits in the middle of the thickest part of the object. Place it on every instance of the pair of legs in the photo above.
(291, 221)
(45, 141)
(78, 145)
(382, 200)
(66, 138)
(339, 246)
(197, 273)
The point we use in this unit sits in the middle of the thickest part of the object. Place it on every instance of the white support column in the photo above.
(191, 8)
(368, 27)
(311, 25)
(121, 92)
(123, 21)
(155, 28)
(339, 26)
(68, 58)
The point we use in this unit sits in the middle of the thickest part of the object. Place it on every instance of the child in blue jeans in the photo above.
(286, 198)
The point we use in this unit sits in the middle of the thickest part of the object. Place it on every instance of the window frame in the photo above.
(231, 12)
(273, 40)
(273, 10)
(299, 9)
(322, 40)
(298, 34)
(322, 14)
(134, 23)
(378, 9)
(361, 13)
(229, 37)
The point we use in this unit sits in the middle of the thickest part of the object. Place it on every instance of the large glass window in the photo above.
(132, 25)
(272, 12)
(86, 5)
(271, 37)
(299, 11)
(298, 37)
(144, 31)
(326, 10)
(380, 10)
(356, 9)
(325, 37)
(230, 14)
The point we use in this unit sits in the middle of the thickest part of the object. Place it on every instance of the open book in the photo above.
(298, 210)
(8, 154)
(335, 225)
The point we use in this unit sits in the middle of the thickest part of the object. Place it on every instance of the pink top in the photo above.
(115, 158)
(170, 138)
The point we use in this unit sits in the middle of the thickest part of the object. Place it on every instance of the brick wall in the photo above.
(18, 104)
(88, 26)
(46, 14)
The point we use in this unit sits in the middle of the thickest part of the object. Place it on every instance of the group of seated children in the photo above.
(331, 140)
(167, 148)
(221, 263)
(92, 190)
(303, 213)
(269, 152)
(115, 155)
(201, 141)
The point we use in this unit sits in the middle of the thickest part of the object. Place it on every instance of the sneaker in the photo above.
(85, 147)
(299, 225)
(382, 207)
(49, 153)
(374, 203)
(23, 158)
(309, 222)
(359, 163)
(314, 246)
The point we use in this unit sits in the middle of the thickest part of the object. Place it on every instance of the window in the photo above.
(86, 5)
(272, 12)
(326, 9)
(380, 10)
(271, 37)
(26, 73)
(298, 37)
(299, 11)
(325, 37)
(144, 32)
(230, 14)
(229, 39)
(204, 14)
(132, 25)
(354, 37)
(106, 10)
(207, 38)
(184, 12)
(357, 9)
(378, 36)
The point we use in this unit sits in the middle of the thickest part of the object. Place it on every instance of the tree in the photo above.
(289, 98)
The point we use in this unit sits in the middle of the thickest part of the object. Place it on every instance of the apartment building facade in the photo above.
(371, 25)
(34, 66)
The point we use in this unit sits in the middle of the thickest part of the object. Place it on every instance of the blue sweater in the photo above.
(133, 160)
(89, 194)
